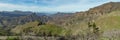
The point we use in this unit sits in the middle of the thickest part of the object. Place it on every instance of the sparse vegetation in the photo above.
(12, 38)
(99, 23)
(39, 30)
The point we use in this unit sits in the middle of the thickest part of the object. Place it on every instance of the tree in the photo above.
(92, 25)
(94, 33)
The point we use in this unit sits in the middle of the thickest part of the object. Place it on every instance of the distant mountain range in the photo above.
(20, 17)
(102, 20)
(13, 18)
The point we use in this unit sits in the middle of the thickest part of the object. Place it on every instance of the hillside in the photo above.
(78, 17)
(110, 24)
(109, 21)
(103, 17)
(98, 23)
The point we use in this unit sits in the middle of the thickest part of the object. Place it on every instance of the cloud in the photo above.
(51, 5)
(11, 7)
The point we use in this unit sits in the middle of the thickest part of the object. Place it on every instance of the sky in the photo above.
(51, 5)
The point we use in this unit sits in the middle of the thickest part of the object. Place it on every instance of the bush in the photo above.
(12, 38)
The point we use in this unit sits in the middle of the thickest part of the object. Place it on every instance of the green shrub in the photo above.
(12, 38)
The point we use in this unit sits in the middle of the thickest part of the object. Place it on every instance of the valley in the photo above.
(98, 23)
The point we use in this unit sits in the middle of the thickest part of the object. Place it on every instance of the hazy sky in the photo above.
(51, 5)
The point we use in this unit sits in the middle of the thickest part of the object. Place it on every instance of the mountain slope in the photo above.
(35, 28)
(99, 23)
(67, 20)
(109, 21)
